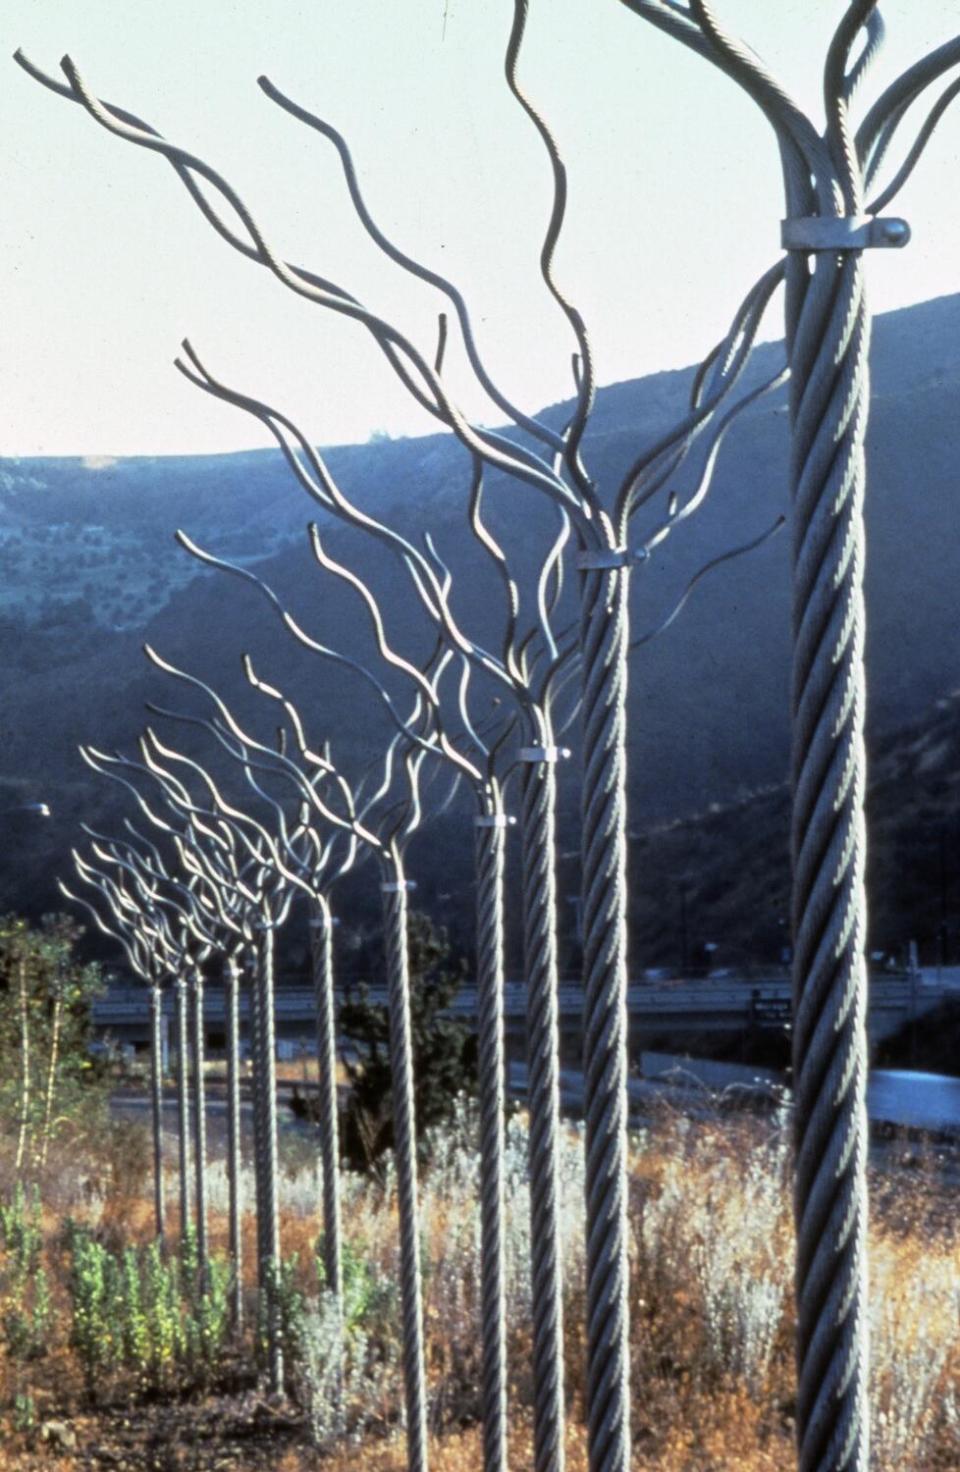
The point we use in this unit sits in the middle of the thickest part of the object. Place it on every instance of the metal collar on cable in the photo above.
(397, 886)
(603, 559)
(544, 753)
(843, 232)
(495, 820)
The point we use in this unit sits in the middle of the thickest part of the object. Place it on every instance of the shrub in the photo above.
(46, 1075)
(92, 1330)
(161, 1319)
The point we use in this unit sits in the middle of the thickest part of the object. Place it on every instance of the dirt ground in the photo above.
(243, 1433)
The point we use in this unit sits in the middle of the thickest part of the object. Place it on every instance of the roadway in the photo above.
(716, 1004)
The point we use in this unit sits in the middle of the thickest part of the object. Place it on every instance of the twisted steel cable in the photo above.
(231, 977)
(828, 338)
(605, 640)
(271, 1204)
(398, 820)
(394, 892)
(183, 1104)
(215, 896)
(515, 670)
(259, 1169)
(490, 849)
(260, 954)
(829, 407)
(156, 1105)
(827, 334)
(321, 944)
(139, 941)
(244, 864)
(538, 838)
(604, 913)
(828, 343)
(199, 1121)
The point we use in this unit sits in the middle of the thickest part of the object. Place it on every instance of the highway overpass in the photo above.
(713, 1005)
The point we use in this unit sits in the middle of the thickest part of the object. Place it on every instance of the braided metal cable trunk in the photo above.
(199, 1123)
(156, 1106)
(183, 1104)
(231, 981)
(829, 413)
(405, 1151)
(604, 646)
(538, 857)
(270, 1261)
(489, 858)
(321, 944)
(259, 1171)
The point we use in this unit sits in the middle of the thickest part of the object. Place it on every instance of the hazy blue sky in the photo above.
(675, 203)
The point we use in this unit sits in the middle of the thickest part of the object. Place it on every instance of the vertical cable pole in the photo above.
(829, 403)
(231, 979)
(259, 1171)
(183, 1103)
(604, 645)
(491, 829)
(538, 844)
(394, 891)
(321, 944)
(156, 1105)
(271, 1204)
(199, 1122)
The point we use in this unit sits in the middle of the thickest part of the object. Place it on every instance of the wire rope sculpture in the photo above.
(237, 862)
(217, 926)
(131, 931)
(398, 814)
(604, 563)
(226, 868)
(530, 683)
(190, 928)
(388, 822)
(829, 178)
(531, 668)
(321, 863)
(171, 926)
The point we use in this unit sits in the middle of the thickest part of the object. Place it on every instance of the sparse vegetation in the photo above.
(711, 1315)
(46, 1074)
(143, 1315)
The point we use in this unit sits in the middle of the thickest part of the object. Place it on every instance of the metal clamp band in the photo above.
(394, 887)
(494, 820)
(601, 559)
(544, 753)
(321, 924)
(843, 232)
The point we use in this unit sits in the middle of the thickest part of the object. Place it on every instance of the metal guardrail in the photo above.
(701, 999)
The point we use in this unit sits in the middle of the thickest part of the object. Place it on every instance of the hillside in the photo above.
(722, 876)
(90, 571)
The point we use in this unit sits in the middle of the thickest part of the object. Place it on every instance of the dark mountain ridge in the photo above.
(90, 571)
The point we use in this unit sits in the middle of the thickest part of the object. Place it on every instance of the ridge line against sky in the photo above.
(675, 202)
(95, 460)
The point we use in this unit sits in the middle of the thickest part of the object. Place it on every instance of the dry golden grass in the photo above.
(711, 1311)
